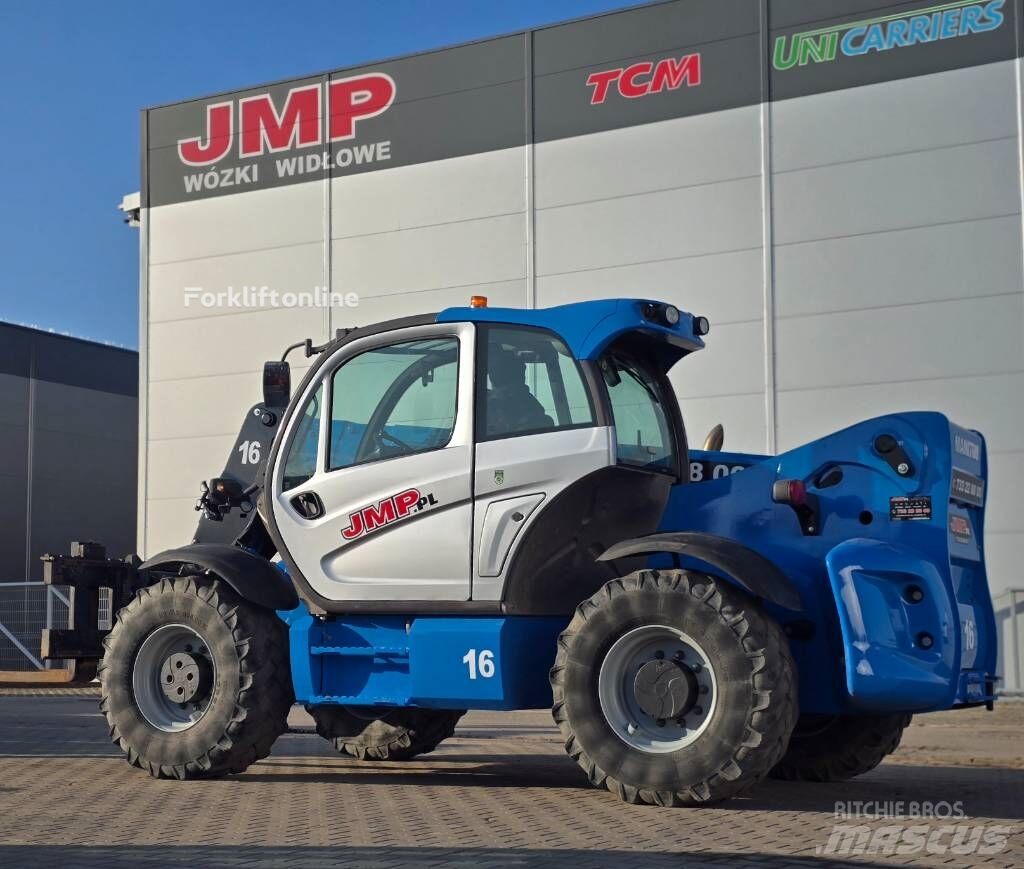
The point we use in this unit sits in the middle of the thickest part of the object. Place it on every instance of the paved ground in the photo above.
(501, 793)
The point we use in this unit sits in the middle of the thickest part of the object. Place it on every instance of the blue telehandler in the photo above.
(498, 509)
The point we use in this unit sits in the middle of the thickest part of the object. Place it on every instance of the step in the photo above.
(362, 651)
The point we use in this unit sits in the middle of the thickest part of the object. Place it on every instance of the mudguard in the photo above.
(890, 662)
(253, 577)
(748, 569)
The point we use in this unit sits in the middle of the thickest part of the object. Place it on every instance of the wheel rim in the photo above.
(654, 671)
(173, 678)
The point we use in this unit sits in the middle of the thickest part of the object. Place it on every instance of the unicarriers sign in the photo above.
(888, 32)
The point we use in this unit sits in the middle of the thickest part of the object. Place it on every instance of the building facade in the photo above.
(68, 437)
(69, 445)
(836, 185)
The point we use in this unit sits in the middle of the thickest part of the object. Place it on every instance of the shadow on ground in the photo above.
(378, 858)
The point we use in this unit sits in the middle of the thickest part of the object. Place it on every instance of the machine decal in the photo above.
(967, 488)
(499, 477)
(913, 507)
(967, 447)
(387, 511)
(646, 77)
(960, 528)
(886, 32)
(707, 470)
(968, 636)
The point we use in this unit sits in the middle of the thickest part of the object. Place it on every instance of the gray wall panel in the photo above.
(262, 219)
(914, 342)
(990, 403)
(919, 265)
(1002, 560)
(731, 364)
(720, 146)
(447, 255)
(743, 417)
(915, 114)
(68, 445)
(13, 399)
(897, 192)
(445, 191)
(295, 268)
(714, 218)
(726, 288)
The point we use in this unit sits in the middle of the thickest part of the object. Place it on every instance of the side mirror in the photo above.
(277, 384)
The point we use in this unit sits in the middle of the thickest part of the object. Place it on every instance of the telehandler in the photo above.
(498, 509)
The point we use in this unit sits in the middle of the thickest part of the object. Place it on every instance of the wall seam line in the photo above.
(767, 241)
(530, 180)
(328, 202)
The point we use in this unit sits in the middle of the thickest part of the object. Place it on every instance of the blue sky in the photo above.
(75, 75)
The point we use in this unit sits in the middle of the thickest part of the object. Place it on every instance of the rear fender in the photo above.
(253, 577)
(744, 567)
(887, 664)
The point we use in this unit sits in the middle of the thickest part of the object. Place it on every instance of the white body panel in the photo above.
(541, 464)
(424, 556)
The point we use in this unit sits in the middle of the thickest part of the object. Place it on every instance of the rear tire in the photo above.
(397, 734)
(721, 732)
(840, 747)
(237, 654)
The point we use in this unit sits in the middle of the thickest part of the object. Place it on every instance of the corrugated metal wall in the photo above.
(68, 430)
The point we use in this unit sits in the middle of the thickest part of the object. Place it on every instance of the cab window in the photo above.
(528, 383)
(643, 431)
(393, 401)
(301, 462)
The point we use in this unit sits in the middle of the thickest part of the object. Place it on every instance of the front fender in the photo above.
(253, 577)
(887, 663)
(746, 568)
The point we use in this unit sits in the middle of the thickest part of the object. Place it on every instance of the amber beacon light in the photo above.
(478, 301)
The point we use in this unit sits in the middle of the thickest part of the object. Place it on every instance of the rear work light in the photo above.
(792, 492)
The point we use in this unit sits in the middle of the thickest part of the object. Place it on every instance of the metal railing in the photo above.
(25, 609)
(1009, 607)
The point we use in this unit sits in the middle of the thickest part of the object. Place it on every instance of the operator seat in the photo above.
(511, 407)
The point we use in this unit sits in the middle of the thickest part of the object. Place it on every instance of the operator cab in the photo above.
(479, 459)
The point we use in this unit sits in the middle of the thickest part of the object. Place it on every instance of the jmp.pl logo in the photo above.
(856, 38)
(913, 828)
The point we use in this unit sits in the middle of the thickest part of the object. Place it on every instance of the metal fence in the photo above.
(25, 609)
(1009, 606)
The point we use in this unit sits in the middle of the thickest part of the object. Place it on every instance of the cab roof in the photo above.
(589, 328)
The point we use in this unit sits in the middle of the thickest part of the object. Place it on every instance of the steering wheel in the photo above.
(383, 435)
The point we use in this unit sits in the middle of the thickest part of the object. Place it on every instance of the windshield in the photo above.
(643, 432)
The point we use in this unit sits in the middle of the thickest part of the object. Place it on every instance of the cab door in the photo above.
(372, 491)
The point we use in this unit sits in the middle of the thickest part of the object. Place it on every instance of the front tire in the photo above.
(705, 698)
(379, 734)
(195, 681)
(839, 747)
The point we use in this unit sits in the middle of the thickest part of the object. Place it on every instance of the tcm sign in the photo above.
(645, 78)
(262, 127)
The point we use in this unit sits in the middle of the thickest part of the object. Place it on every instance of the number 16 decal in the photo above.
(482, 663)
